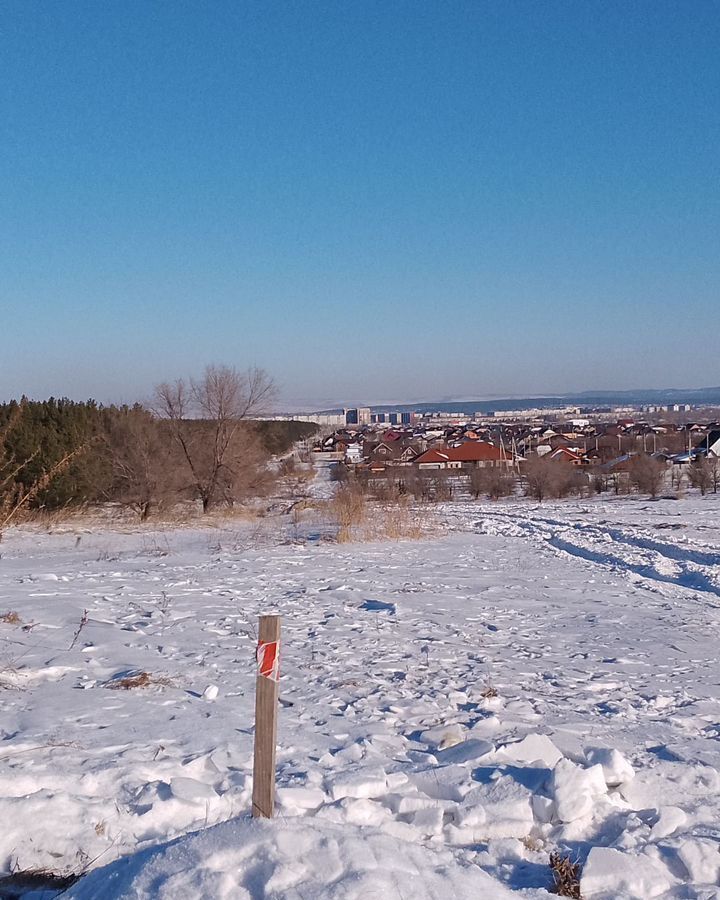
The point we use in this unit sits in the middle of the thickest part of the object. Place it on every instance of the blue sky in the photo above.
(371, 200)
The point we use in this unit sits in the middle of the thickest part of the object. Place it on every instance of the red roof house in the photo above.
(468, 455)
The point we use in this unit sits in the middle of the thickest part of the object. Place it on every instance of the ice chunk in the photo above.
(301, 797)
(351, 753)
(460, 837)
(223, 758)
(444, 736)
(502, 807)
(202, 765)
(457, 697)
(427, 821)
(613, 874)
(465, 751)
(543, 808)
(192, 790)
(443, 782)
(486, 725)
(394, 780)
(355, 812)
(574, 789)
(533, 748)
(670, 818)
(359, 784)
(409, 803)
(701, 858)
(616, 769)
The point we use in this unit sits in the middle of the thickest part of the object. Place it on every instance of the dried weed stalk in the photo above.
(138, 680)
(566, 875)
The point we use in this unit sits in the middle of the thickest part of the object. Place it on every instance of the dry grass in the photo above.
(136, 680)
(566, 876)
(11, 618)
(349, 508)
(125, 520)
(532, 843)
(395, 521)
(360, 519)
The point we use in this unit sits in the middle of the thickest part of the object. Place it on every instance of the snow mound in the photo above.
(291, 860)
(609, 874)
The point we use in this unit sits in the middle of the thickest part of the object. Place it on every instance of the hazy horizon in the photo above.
(285, 404)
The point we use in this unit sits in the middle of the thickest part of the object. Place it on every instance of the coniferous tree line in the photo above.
(60, 453)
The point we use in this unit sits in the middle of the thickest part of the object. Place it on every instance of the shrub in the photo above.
(349, 508)
(647, 474)
(493, 482)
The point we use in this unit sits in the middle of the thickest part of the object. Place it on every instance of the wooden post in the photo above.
(266, 709)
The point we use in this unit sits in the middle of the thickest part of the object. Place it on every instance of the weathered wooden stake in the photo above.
(266, 709)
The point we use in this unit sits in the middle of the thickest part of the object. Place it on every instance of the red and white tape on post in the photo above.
(268, 659)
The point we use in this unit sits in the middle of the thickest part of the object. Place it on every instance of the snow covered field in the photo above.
(452, 709)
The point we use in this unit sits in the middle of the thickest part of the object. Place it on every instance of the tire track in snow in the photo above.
(669, 550)
(689, 569)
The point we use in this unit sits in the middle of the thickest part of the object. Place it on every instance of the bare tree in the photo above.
(145, 464)
(539, 477)
(677, 476)
(714, 466)
(208, 420)
(416, 483)
(647, 474)
(700, 474)
(544, 477)
(492, 481)
(567, 479)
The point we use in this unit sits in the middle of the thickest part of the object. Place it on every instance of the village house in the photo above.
(710, 445)
(383, 454)
(565, 454)
(468, 455)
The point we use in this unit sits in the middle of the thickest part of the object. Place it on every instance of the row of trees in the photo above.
(197, 440)
(545, 478)
(540, 479)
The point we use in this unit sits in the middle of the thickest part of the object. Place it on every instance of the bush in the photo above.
(700, 475)
(493, 482)
(349, 508)
(647, 474)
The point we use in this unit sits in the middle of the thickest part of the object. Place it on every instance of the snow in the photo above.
(292, 860)
(702, 861)
(616, 769)
(502, 808)
(527, 679)
(574, 789)
(361, 783)
(533, 748)
(610, 874)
